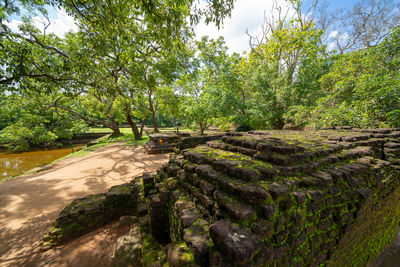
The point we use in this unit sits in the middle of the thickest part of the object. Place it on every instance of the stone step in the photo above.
(252, 169)
(205, 180)
(188, 223)
(240, 166)
(282, 159)
(237, 243)
(263, 145)
(202, 187)
(215, 193)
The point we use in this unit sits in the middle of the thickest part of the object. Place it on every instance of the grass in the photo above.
(173, 129)
(126, 136)
(106, 130)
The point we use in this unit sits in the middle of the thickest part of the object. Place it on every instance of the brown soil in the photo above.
(29, 204)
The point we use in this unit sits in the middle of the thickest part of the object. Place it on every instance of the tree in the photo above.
(362, 88)
(128, 40)
(33, 123)
(365, 25)
(199, 85)
(196, 105)
(281, 75)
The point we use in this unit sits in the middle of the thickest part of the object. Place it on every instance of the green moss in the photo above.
(243, 160)
(152, 253)
(375, 227)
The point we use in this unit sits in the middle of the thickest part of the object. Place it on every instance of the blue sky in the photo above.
(52, 13)
(247, 14)
(335, 4)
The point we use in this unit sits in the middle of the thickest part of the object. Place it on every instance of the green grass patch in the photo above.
(173, 129)
(127, 137)
(106, 130)
(128, 130)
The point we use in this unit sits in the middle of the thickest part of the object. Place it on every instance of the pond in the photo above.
(12, 164)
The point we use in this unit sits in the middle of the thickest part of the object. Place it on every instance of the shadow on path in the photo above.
(29, 204)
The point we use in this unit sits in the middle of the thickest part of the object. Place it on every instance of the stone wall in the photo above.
(88, 213)
(193, 141)
(176, 142)
(279, 198)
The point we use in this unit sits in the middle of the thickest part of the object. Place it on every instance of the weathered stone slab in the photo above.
(239, 244)
(128, 250)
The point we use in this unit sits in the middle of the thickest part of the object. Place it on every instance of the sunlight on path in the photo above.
(29, 204)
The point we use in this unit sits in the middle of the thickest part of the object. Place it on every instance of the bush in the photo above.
(243, 128)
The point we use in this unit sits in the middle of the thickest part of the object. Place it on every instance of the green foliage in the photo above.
(34, 125)
(136, 62)
(394, 118)
(362, 88)
(197, 87)
(285, 71)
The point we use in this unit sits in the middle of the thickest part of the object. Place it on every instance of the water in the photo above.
(12, 164)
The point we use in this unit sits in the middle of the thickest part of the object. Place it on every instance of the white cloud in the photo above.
(60, 25)
(331, 46)
(333, 34)
(245, 15)
(335, 37)
(13, 24)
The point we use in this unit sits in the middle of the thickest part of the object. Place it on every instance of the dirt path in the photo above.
(29, 204)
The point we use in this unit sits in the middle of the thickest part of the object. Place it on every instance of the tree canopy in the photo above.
(137, 62)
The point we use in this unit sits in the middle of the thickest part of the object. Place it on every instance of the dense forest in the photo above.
(137, 62)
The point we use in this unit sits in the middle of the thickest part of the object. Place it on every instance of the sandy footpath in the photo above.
(29, 204)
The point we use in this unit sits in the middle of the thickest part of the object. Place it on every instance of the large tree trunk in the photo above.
(201, 128)
(114, 126)
(115, 130)
(142, 127)
(153, 112)
(134, 128)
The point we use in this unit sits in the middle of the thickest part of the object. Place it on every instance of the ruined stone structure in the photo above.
(88, 213)
(168, 142)
(269, 198)
(161, 143)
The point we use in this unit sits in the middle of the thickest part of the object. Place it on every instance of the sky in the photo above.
(246, 15)
(249, 15)
(60, 22)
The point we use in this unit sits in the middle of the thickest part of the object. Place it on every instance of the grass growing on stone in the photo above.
(244, 161)
(152, 253)
(377, 223)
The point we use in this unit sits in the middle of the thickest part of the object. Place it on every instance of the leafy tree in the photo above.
(362, 88)
(126, 44)
(282, 69)
(198, 87)
(34, 124)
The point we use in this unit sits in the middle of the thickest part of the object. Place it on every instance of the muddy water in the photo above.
(12, 164)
